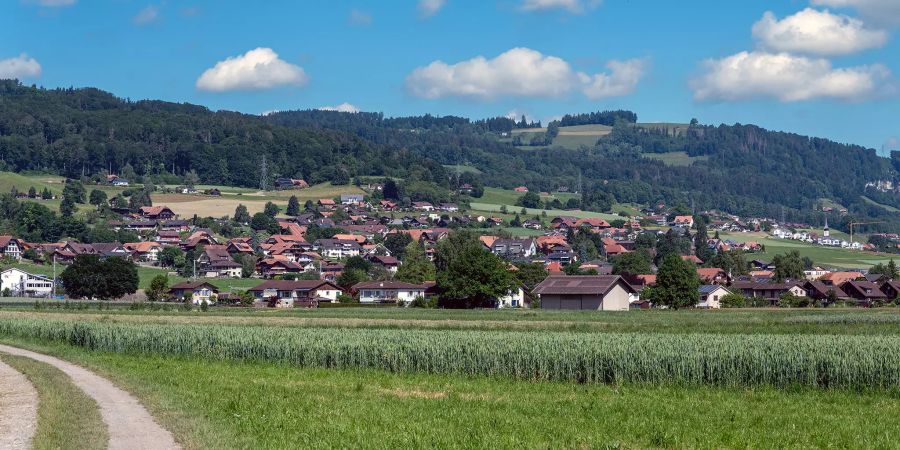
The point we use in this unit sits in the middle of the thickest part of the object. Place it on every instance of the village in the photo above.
(294, 267)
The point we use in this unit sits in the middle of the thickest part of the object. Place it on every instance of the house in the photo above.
(387, 205)
(388, 292)
(890, 288)
(864, 292)
(449, 207)
(514, 248)
(423, 206)
(768, 291)
(352, 199)
(683, 221)
(11, 247)
(712, 275)
(18, 283)
(168, 237)
(839, 278)
(515, 298)
(337, 248)
(200, 292)
(597, 292)
(147, 252)
(711, 296)
(157, 213)
(111, 250)
(326, 203)
(288, 293)
(272, 267)
(521, 189)
(390, 263)
(118, 181)
(820, 291)
(330, 271)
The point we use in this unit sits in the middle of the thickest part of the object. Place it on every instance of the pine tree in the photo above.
(293, 208)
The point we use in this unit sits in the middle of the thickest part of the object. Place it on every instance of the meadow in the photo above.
(360, 377)
(824, 256)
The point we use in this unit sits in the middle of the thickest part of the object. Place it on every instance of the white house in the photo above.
(388, 292)
(287, 293)
(23, 284)
(514, 299)
(711, 296)
(11, 247)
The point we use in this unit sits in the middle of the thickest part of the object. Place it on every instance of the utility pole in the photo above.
(263, 174)
(54, 275)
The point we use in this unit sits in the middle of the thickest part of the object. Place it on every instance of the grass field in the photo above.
(826, 256)
(680, 159)
(885, 207)
(573, 137)
(213, 403)
(254, 200)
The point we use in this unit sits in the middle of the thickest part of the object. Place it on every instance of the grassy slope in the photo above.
(67, 417)
(676, 158)
(233, 405)
(827, 256)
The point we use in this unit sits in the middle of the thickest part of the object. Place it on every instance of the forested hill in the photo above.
(741, 169)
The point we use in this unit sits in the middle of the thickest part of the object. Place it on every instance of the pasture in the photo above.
(252, 379)
(677, 159)
(824, 256)
(255, 200)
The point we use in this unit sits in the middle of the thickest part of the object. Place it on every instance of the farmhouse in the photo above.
(598, 292)
(11, 247)
(157, 213)
(199, 291)
(144, 251)
(388, 292)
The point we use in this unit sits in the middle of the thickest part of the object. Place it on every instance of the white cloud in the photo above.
(519, 72)
(879, 11)
(428, 8)
(147, 15)
(516, 114)
(572, 6)
(260, 68)
(787, 78)
(343, 107)
(622, 79)
(21, 67)
(816, 32)
(359, 18)
(51, 3)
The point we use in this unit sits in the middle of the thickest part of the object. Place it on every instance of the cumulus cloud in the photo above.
(572, 6)
(147, 15)
(260, 68)
(359, 18)
(816, 32)
(785, 77)
(878, 11)
(519, 72)
(343, 107)
(20, 67)
(622, 79)
(428, 8)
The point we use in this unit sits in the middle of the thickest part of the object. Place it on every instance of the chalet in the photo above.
(514, 248)
(369, 231)
(600, 293)
(11, 248)
(168, 237)
(118, 181)
(326, 203)
(820, 291)
(423, 206)
(147, 252)
(768, 291)
(215, 261)
(175, 225)
(237, 247)
(614, 249)
(157, 213)
(388, 292)
(864, 292)
(839, 278)
(272, 267)
(140, 225)
(287, 293)
(890, 288)
(352, 199)
(532, 224)
(330, 271)
(111, 250)
(521, 189)
(18, 283)
(387, 205)
(711, 296)
(593, 223)
(449, 207)
(390, 263)
(200, 292)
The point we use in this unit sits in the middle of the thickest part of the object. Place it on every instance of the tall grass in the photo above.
(727, 360)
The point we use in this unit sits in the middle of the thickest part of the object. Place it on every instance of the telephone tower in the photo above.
(263, 174)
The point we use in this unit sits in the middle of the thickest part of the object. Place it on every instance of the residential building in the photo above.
(598, 293)
(388, 292)
(11, 247)
(337, 248)
(157, 213)
(711, 296)
(514, 248)
(19, 283)
(768, 291)
(199, 291)
(288, 293)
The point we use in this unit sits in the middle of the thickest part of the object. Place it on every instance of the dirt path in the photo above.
(130, 425)
(18, 409)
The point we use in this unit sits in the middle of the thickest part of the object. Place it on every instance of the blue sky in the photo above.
(819, 67)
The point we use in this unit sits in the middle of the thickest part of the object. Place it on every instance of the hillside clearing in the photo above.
(676, 159)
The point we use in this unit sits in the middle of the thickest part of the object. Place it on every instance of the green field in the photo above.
(885, 207)
(825, 256)
(670, 128)
(679, 159)
(216, 391)
(572, 138)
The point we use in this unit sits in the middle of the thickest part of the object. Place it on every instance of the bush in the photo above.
(422, 302)
(345, 298)
(734, 301)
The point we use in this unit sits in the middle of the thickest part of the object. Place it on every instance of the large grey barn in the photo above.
(598, 292)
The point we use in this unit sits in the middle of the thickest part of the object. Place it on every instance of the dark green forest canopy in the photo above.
(744, 169)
